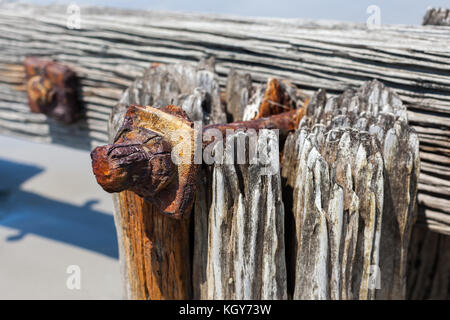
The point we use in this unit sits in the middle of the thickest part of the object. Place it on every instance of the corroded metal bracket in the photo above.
(52, 89)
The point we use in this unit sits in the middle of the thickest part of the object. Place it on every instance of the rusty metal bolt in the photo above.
(52, 89)
(140, 158)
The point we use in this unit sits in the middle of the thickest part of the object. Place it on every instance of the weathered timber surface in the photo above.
(353, 165)
(238, 221)
(437, 17)
(114, 46)
(239, 216)
(246, 252)
(247, 101)
(433, 180)
(154, 265)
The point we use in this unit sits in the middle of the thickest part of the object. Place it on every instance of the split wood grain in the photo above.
(246, 251)
(353, 165)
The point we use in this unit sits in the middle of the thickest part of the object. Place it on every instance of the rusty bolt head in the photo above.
(52, 89)
(140, 159)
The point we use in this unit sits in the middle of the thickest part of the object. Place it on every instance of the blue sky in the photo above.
(392, 11)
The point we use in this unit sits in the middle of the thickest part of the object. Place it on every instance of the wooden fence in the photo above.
(113, 47)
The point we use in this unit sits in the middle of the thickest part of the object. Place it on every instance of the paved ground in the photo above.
(54, 215)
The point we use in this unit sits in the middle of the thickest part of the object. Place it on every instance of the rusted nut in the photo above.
(52, 89)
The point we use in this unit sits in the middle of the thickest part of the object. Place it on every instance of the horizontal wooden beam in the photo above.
(114, 46)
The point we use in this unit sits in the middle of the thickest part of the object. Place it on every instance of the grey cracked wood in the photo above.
(428, 274)
(238, 232)
(437, 17)
(353, 165)
(246, 251)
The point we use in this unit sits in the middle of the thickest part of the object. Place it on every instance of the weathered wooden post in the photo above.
(155, 249)
(437, 17)
(351, 166)
(150, 242)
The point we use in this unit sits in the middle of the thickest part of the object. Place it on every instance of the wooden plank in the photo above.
(246, 252)
(157, 266)
(114, 46)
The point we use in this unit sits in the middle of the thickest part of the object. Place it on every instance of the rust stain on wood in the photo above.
(275, 100)
(158, 258)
